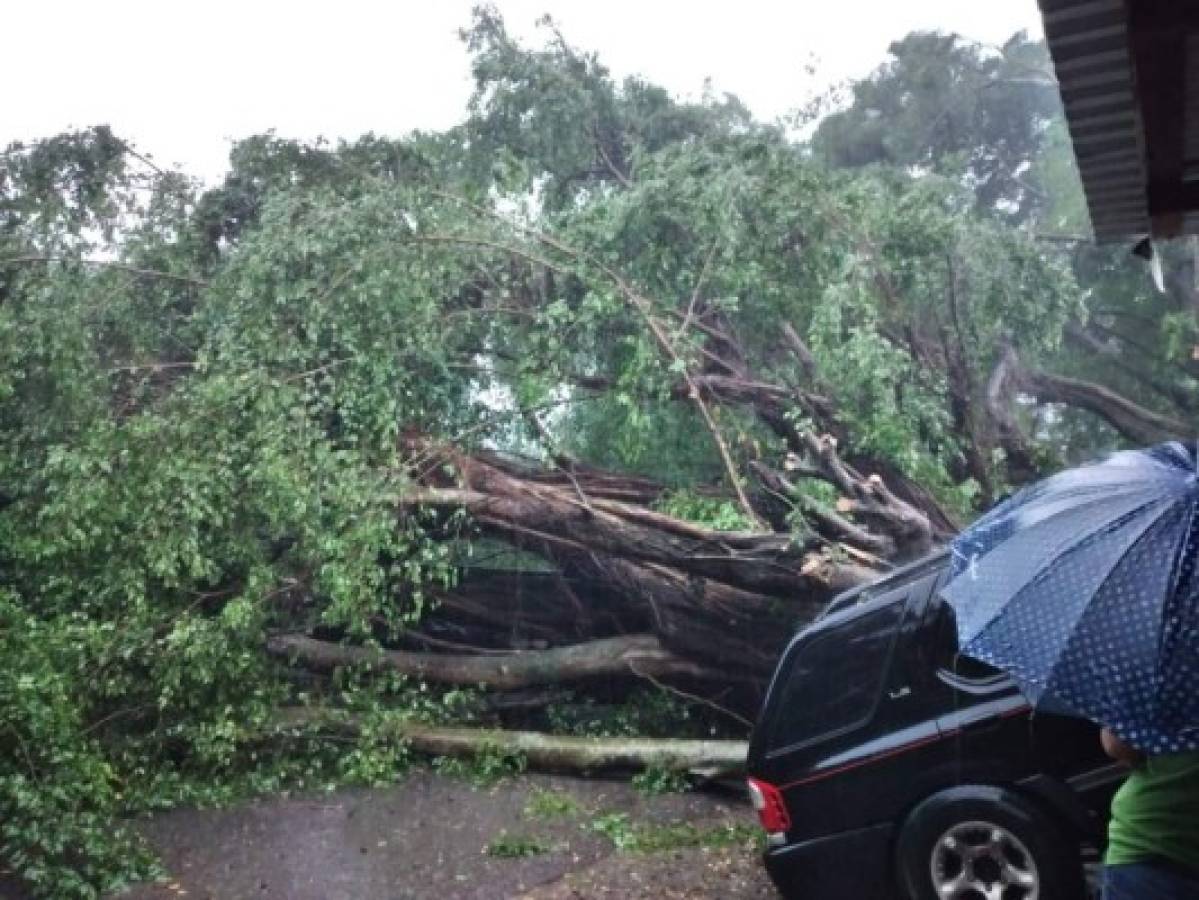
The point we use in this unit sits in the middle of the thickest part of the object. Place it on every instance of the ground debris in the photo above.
(429, 835)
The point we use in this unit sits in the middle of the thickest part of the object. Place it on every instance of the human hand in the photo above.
(1119, 750)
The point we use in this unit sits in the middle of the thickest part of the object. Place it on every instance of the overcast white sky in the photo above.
(181, 78)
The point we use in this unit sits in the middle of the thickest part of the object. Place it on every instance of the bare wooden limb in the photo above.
(800, 349)
(1001, 386)
(826, 521)
(754, 561)
(620, 176)
(1135, 422)
(693, 698)
(1111, 350)
(869, 499)
(697, 291)
(106, 264)
(544, 751)
(604, 658)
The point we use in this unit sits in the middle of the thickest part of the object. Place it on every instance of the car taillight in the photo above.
(768, 801)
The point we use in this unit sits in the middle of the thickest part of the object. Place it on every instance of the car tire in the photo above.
(961, 841)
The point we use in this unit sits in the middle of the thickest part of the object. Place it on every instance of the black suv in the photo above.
(885, 765)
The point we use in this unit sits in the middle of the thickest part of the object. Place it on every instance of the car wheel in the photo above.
(986, 843)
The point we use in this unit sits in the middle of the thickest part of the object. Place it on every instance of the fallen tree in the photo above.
(550, 752)
(684, 385)
(726, 600)
(638, 655)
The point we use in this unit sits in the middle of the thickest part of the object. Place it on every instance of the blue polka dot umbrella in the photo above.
(1084, 588)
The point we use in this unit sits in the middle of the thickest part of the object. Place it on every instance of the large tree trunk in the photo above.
(499, 611)
(728, 600)
(764, 562)
(735, 631)
(568, 521)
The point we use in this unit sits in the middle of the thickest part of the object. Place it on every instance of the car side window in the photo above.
(952, 667)
(835, 678)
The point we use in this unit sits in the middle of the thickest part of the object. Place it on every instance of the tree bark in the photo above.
(737, 632)
(1138, 424)
(549, 751)
(829, 521)
(725, 600)
(1134, 422)
(1112, 350)
(517, 509)
(639, 654)
(1004, 381)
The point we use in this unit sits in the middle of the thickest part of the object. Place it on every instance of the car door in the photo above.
(832, 719)
(993, 735)
(983, 717)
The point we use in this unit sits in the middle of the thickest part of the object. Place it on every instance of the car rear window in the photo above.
(834, 678)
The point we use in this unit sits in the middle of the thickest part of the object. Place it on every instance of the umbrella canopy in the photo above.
(1083, 587)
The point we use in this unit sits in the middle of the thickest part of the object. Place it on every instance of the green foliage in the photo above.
(58, 792)
(624, 432)
(373, 693)
(489, 766)
(946, 104)
(547, 804)
(68, 191)
(377, 758)
(715, 512)
(630, 837)
(651, 712)
(508, 846)
(554, 115)
(661, 779)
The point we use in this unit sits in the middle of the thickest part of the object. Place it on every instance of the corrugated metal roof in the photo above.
(1106, 62)
(1191, 106)
(1089, 43)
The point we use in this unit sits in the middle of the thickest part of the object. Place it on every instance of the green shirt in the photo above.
(1156, 813)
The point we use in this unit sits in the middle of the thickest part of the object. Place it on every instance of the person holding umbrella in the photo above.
(1084, 588)
(1153, 837)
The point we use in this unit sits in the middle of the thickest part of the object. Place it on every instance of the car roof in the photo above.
(865, 599)
(858, 597)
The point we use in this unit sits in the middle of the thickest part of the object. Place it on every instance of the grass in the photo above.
(545, 804)
(514, 846)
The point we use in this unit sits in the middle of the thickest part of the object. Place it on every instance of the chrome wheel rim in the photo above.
(983, 861)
